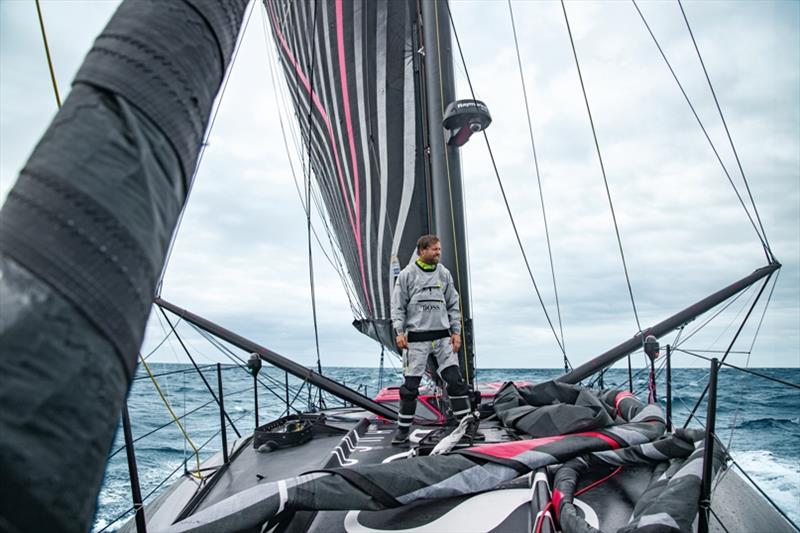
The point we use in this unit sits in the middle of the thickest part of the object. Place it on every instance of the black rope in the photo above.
(730, 346)
(567, 364)
(339, 269)
(712, 317)
(166, 336)
(189, 355)
(605, 182)
(767, 250)
(171, 372)
(742, 369)
(718, 519)
(503, 193)
(171, 422)
(204, 144)
(241, 363)
(702, 127)
(163, 481)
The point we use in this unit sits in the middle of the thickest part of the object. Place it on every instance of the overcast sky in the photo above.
(240, 256)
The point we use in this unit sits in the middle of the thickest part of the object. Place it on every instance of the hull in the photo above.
(353, 437)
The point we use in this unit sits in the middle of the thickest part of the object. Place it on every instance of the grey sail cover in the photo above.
(351, 72)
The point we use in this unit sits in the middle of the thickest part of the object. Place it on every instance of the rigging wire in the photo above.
(174, 417)
(308, 197)
(336, 262)
(730, 346)
(605, 182)
(767, 249)
(203, 146)
(197, 368)
(47, 52)
(715, 315)
(744, 369)
(705, 132)
(503, 193)
(239, 362)
(567, 365)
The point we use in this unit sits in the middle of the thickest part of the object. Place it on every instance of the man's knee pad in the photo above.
(409, 390)
(455, 385)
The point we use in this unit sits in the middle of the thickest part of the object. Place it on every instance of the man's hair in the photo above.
(426, 241)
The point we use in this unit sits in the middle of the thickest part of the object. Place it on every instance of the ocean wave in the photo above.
(770, 423)
(778, 477)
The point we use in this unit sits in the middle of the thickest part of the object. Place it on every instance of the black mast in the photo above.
(445, 165)
(670, 324)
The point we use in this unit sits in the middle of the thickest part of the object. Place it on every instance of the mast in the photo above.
(670, 324)
(445, 167)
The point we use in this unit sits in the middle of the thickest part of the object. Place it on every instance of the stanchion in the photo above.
(708, 453)
(133, 472)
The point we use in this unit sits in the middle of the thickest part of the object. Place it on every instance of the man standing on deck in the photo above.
(427, 321)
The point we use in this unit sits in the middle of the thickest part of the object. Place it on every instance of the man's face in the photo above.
(431, 254)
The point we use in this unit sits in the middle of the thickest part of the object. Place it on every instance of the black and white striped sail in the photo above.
(350, 69)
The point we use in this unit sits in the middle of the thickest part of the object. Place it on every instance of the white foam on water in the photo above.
(779, 478)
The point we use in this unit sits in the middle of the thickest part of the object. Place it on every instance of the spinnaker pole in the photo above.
(666, 326)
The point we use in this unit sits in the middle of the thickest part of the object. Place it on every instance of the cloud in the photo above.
(240, 257)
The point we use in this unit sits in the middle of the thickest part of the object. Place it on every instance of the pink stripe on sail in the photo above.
(349, 123)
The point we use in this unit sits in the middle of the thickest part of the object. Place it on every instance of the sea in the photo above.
(758, 419)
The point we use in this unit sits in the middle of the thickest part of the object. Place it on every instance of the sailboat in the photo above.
(77, 257)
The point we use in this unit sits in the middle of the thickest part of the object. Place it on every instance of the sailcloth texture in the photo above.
(634, 436)
(351, 71)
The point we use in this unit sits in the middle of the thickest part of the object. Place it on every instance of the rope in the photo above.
(308, 200)
(767, 250)
(743, 369)
(174, 416)
(282, 109)
(747, 360)
(730, 346)
(47, 53)
(567, 364)
(203, 146)
(608, 191)
(697, 330)
(702, 127)
(505, 199)
(603, 170)
(205, 381)
(240, 362)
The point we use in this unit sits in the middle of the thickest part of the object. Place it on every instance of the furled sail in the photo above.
(351, 68)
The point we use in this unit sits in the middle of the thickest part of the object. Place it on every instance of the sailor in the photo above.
(427, 321)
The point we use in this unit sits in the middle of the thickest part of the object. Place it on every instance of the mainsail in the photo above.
(352, 72)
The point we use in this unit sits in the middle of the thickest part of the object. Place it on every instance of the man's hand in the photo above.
(402, 342)
(455, 340)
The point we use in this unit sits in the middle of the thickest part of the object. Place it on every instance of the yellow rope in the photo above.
(450, 191)
(47, 51)
(196, 474)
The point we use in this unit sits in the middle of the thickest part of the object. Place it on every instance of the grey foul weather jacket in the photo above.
(425, 301)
